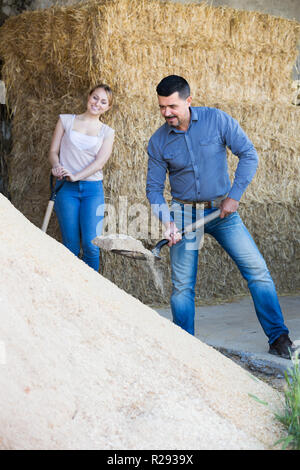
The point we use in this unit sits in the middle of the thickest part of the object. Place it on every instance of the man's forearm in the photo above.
(244, 174)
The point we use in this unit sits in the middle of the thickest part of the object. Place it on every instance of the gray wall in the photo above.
(286, 8)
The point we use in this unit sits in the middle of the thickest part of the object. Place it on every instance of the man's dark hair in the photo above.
(169, 85)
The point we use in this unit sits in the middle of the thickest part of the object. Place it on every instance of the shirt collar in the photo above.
(194, 114)
(194, 117)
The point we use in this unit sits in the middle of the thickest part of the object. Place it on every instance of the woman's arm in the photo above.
(99, 162)
(54, 149)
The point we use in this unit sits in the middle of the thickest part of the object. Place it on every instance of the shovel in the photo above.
(51, 201)
(156, 250)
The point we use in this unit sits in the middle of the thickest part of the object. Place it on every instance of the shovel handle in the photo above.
(191, 228)
(201, 222)
(51, 201)
(54, 190)
(47, 216)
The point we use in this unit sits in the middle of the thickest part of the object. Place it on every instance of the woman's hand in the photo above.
(68, 175)
(57, 171)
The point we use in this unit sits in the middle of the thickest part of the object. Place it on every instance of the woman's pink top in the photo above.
(78, 150)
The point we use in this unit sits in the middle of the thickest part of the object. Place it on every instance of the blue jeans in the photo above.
(233, 236)
(79, 207)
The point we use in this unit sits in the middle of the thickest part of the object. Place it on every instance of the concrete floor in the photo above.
(233, 329)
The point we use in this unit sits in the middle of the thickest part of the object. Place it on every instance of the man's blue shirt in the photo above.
(196, 160)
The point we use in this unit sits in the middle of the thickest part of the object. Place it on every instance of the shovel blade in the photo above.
(130, 254)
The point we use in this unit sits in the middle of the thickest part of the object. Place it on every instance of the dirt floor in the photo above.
(276, 382)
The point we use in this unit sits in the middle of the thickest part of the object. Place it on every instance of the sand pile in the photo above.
(90, 367)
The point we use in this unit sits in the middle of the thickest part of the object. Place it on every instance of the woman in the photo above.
(80, 147)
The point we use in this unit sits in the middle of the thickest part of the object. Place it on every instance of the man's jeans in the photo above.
(79, 207)
(233, 236)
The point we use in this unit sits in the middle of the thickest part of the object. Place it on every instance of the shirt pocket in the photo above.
(211, 146)
(175, 160)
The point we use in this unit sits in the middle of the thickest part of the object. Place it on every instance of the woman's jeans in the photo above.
(233, 236)
(79, 207)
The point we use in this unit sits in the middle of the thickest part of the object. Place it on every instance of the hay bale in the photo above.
(224, 54)
(224, 51)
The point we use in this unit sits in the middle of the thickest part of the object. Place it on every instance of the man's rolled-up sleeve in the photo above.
(239, 143)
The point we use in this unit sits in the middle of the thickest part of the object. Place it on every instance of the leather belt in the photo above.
(207, 204)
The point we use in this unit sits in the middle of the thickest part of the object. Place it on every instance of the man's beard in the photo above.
(173, 124)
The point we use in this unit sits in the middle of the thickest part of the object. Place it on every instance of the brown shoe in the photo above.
(282, 347)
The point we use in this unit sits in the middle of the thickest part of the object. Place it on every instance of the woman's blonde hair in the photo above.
(106, 88)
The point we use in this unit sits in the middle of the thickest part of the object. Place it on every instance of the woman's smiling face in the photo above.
(98, 102)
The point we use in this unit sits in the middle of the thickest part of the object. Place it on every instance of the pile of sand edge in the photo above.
(90, 367)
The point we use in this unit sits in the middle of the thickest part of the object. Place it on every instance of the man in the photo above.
(191, 147)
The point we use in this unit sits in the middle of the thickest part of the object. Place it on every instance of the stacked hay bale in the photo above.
(238, 61)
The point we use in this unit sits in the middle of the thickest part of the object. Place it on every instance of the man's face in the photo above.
(175, 110)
